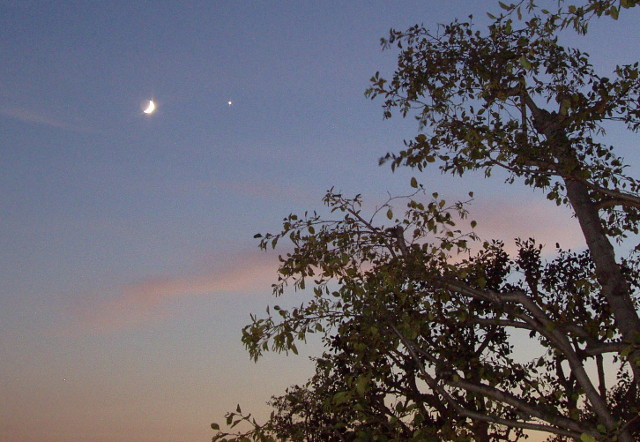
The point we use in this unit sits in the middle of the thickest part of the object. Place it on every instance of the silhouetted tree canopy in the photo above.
(418, 314)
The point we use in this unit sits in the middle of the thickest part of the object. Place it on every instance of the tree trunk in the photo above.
(615, 288)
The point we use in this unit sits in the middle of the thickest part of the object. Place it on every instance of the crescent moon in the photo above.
(150, 108)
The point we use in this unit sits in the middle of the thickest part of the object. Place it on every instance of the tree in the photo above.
(577, 16)
(418, 315)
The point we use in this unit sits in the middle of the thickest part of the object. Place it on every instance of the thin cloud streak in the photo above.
(262, 189)
(149, 300)
(28, 116)
(266, 189)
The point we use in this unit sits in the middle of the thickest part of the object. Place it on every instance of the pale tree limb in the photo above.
(543, 325)
(433, 383)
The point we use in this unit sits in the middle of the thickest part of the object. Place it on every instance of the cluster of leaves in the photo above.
(416, 314)
(567, 14)
(418, 347)
(477, 98)
(578, 16)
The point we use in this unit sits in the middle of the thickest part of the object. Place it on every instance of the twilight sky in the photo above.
(127, 260)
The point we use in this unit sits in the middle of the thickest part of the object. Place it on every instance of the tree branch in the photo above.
(547, 328)
(617, 197)
(521, 405)
(433, 383)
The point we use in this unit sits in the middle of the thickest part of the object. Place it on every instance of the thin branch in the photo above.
(547, 328)
(485, 343)
(630, 422)
(618, 197)
(517, 424)
(502, 323)
(606, 347)
(601, 380)
(520, 404)
(473, 414)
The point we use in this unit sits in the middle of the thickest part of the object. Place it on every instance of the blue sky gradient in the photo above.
(127, 260)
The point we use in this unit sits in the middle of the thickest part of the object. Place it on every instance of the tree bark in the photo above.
(615, 288)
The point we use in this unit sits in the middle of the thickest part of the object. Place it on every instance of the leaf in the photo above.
(361, 384)
(414, 182)
(215, 426)
(584, 437)
(341, 397)
(389, 214)
(524, 63)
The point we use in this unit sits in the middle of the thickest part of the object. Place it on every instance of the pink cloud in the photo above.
(534, 217)
(148, 300)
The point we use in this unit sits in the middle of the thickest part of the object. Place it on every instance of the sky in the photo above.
(128, 265)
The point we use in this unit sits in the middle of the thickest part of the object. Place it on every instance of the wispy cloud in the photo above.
(266, 189)
(255, 188)
(539, 219)
(39, 117)
(150, 299)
